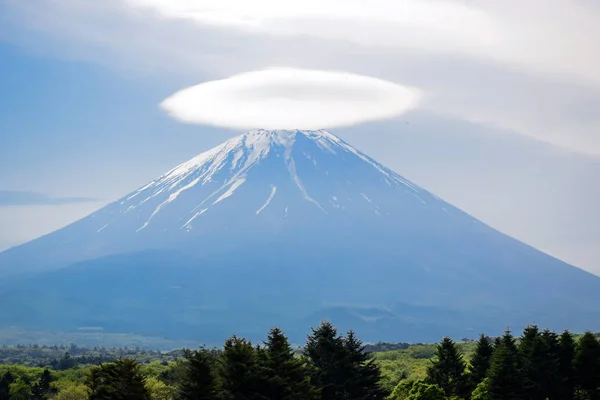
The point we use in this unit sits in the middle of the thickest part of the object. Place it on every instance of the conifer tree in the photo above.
(325, 351)
(448, 369)
(198, 381)
(505, 379)
(531, 354)
(587, 366)
(41, 389)
(363, 375)
(480, 363)
(566, 372)
(287, 374)
(131, 382)
(120, 380)
(242, 376)
(549, 365)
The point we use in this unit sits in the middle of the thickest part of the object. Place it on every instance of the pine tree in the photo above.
(587, 366)
(566, 372)
(448, 368)
(198, 381)
(242, 376)
(287, 374)
(325, 351)
(480, 363)
(363, 375)
(505, 379)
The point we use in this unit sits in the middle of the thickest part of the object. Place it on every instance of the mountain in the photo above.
(288, 228)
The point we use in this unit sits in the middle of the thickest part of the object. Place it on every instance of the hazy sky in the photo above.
(506, 126)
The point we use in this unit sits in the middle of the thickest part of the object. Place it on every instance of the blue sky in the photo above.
(507, 130)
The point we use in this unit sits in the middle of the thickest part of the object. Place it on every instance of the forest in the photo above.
(540, 364)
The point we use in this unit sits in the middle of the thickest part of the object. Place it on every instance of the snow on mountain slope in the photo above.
(259, 170)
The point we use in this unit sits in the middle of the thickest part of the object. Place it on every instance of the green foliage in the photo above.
(287, 375)
(198, 381)
(402, 390)
(539, 365)
(505, 378)
(587, 366)
(482, 391)
(341, 368)
(448, 368)
(41, 389)
(241, 372)
(480, 363)
(121, 380)
(19, 390)
(566, 371)
(363, 375)
(159, 390)
(324, 349)
(73, 391)
(6, 379)
(422, 390)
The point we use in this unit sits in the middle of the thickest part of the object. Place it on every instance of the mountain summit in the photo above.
(288, 227)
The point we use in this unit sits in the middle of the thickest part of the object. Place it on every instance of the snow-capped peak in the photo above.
(287, 169)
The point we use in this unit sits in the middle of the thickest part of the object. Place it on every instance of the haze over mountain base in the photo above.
(288, 228)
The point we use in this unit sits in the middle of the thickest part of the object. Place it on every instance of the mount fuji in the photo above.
(288, 228)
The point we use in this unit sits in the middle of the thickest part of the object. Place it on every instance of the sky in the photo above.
(500, 118)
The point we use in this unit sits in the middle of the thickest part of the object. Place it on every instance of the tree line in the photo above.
(331, 366)
(539, 365)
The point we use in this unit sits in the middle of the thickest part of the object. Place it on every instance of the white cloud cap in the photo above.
(288, 98)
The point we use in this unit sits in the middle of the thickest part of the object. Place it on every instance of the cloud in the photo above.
(533, 68)
(557, 31)
(24, 198)
(289, 98)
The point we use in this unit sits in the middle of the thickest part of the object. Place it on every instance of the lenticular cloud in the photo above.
(286, 98)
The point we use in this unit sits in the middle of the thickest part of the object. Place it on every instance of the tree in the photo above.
(549, 365)
(480, 363)
(587, 366)
(287, 374)
(325, 351)
(41, 389)
(340, 367)
(198, 381)
(505, 379)
(448, 368)
(242, 376)
(363, 376)
(532, 356)
(566, 372)
(120, 380)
